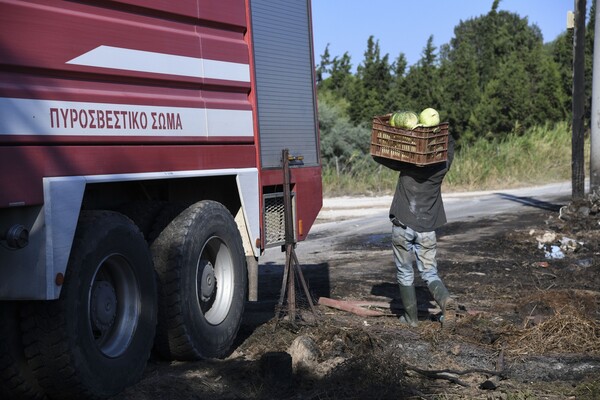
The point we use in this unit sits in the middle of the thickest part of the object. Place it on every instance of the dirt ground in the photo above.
(528, 327)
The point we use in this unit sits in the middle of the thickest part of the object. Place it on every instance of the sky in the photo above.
(403, 26)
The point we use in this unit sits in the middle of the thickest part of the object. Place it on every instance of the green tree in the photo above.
(458, 72)
(505, 103)
(488, 59)
(397, 98)
(368, 95)
(324, 66)
(549, 100)
(561, 51)
(341, 79)
(423, 86)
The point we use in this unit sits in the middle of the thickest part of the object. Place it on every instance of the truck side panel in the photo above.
(286, 103)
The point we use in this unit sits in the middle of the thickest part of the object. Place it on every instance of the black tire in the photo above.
(164, 217)
(96, 339)
(142, 213)
(201, 245)
(16, 379)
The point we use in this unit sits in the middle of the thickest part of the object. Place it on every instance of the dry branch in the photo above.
(452, 375)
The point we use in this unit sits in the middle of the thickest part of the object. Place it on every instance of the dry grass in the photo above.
(570, 326)
(554, 322)
(564, 332)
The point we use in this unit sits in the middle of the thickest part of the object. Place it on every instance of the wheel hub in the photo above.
(207, 282)
(104, 305)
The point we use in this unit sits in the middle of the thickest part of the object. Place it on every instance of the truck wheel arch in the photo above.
(63, 198)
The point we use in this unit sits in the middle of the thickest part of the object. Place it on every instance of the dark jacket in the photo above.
(418, 201)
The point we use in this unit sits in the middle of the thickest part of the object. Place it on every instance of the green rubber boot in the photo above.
(446, 303)
(408, 295)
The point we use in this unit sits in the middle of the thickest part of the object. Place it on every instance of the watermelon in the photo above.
(429, 117)
(392, 122)
(404, 119)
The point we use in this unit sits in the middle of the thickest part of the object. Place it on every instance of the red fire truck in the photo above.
(141, 179)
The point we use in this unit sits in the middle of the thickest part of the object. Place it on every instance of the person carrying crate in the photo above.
(417, 210)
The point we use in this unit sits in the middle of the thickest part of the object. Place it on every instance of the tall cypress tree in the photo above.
(423, 86)
(340, 77)
(324, 66)
(368, 95)
(397, 98)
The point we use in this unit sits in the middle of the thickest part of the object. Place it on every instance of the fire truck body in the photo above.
(140, 139)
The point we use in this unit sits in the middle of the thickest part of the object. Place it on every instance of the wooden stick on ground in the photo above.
(345, 306)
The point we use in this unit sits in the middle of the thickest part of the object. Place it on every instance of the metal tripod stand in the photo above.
(292, 266)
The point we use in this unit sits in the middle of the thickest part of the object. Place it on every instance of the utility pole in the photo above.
(595, 125)
(577, 140)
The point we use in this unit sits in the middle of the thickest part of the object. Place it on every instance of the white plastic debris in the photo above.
(555, 248)
(554, 253)
(569, 245)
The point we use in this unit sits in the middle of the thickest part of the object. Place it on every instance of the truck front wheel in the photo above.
(96, 338)
(200, 262)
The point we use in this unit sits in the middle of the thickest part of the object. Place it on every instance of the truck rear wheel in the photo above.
(16, 379)
(200, 262)
(96, 338)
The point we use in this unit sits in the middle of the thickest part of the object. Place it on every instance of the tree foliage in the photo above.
(495, 77)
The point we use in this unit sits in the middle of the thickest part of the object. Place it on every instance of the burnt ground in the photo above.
(528, 327)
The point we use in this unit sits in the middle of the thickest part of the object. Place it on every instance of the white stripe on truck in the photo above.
(161, 63)
(68, 118)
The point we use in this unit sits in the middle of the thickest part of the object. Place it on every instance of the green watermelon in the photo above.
(392, 122)
(404, 119)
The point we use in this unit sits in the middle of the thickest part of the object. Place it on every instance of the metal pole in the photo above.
(292, 266)
(595, 124)
(252, 265)
(577, 140)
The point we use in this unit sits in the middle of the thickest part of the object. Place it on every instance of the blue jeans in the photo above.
(406, 244)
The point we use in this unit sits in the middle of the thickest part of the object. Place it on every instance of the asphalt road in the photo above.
(342, 217)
